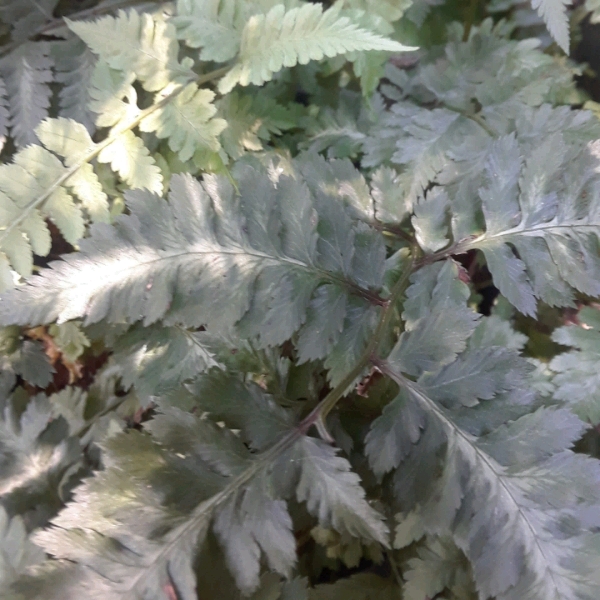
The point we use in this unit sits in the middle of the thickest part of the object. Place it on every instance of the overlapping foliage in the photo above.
(261, 365)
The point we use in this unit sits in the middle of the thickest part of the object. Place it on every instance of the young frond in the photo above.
(136, 43)
(554, 13)
(283, 38)
(40, 184)
(187, 122)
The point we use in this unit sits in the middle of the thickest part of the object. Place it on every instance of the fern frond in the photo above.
(206, 244)
(491, 486)
(161, 530)
(554, 13)
(135, 165)
(24, 358)
(449, 143)
(342, 132)
(576, 372)
(27, 73)
(555, 241)
(17, 552)
(438, 566)
(283, 38)
(159, 359)
(36, 455)
(187, 122)
(215, 26)
(435, 301)
(74, 65)
(25, 16)
(33, 174)
(136, 43)
(131, 159)
(252, 120)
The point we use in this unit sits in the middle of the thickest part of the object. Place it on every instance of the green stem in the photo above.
(470, 19)
(476, 118)
(459, 248)
(318, 415)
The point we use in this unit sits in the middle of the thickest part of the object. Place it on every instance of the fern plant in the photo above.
(286, 291)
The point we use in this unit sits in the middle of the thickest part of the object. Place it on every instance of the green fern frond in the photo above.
(187, 122)
(25, 16)
(227, 488)
(32, 444)
(283, 38)
(136, 43)
(206, 234)
(74, 65)
(33, 173)
(27, 74)
(482, 483)
(17, 552)
(576, 372)
(554, 13)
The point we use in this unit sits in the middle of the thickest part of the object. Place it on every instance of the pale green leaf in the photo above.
(554, 13)
(36, 454)
(17, 552)
(283, 38)
(214, 26)
(135, 43)
(129, 157)
(71, 340)
(332, 491)
(576, 373)
(437, 321)
(65, 137)
(187, 122)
